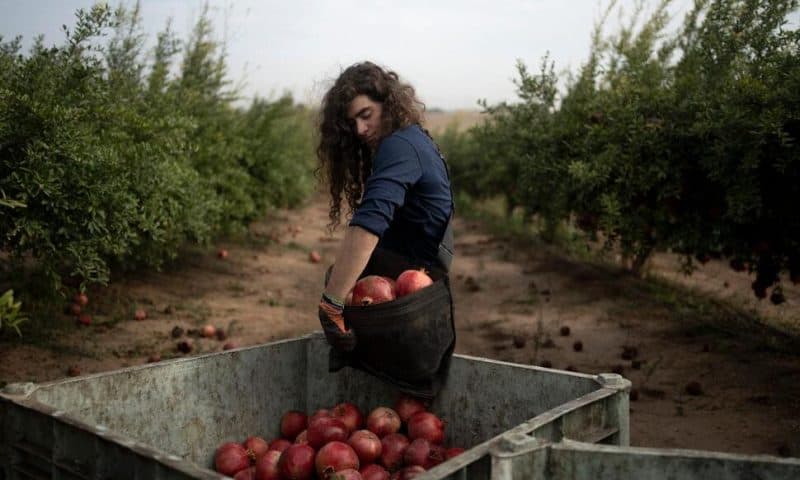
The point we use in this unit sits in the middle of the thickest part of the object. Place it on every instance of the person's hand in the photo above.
(332, 320)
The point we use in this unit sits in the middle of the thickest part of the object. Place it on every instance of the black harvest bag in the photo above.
(407, 342)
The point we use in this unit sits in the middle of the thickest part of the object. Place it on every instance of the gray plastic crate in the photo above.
(523, 457)
(164, 420)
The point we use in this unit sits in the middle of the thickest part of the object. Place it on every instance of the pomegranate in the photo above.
(453, 452)
(222, 253)
(406, 405)
(423, 453)
(292, 423)
(346, 474)
(230, 458)
(412, 280)
(367, 446)
(246, 474)
(75, 309)
(314, 256)
(393, 447)
(325, 429)
(349, 414)
(140, 314)
(208, 331)
(374, 472)
(85, 319)
(383, 421)
(426, 425)
(267, 466)
(297, 462)
(408, 473)
(256, 447)
(335, 456)
(279, 444)
(322, 412)
(436, 456)
(81, 299)
(373, 289)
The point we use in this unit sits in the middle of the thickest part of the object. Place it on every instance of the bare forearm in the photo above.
(353, 255)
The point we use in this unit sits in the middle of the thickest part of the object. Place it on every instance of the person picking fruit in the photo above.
(374, 152)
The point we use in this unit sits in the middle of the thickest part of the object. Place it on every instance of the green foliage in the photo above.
(682, 141)
(107, 160)
(10, 313)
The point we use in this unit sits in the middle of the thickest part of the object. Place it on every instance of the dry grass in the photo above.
(437, 121)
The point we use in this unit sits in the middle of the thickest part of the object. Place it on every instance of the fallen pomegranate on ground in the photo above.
(208, 331)
(81, 299)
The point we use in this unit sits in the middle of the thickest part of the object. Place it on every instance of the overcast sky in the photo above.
(454, 52)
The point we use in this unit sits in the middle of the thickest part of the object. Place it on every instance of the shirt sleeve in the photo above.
(395, 169)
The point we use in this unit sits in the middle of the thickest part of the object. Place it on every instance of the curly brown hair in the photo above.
(346, 161)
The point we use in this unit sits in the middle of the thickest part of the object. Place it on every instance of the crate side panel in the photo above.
(484, 398)
(610, 463)
(190, 406)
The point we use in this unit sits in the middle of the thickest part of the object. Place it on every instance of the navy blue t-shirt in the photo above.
(407, 200)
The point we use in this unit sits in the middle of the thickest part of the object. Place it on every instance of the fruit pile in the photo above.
(340, 444)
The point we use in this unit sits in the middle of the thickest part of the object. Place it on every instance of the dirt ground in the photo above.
(511, 304)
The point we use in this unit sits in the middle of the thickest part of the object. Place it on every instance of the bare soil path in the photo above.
(512, 303)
